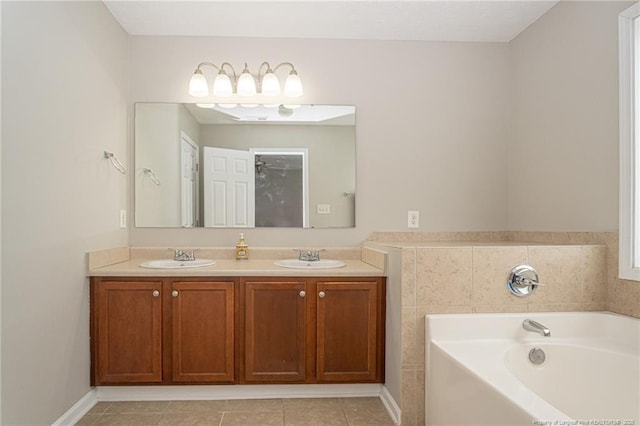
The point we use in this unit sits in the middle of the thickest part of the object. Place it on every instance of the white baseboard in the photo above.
(178, 393)
(79, 409)
(391, 405)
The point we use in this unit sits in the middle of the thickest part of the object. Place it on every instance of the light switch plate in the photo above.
(123, 219)
(413, 219)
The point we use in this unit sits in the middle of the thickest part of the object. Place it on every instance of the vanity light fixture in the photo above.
(227, 80)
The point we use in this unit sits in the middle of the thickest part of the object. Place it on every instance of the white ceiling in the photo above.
(453, 20)
(335, 115)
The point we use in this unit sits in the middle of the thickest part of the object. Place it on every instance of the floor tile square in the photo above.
(216, 406)
(88, 419)
(99, 408)
(128, 420)
(312, 404)
(190, 419)
(253, 419)
(253, 405)
(315, 417)
(137, 407)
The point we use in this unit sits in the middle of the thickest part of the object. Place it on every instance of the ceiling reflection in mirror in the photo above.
(233, 166)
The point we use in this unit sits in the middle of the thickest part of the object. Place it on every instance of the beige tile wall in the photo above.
(623, 296)
(579, 270)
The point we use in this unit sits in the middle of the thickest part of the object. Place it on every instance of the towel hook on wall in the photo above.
(152, 176)
(116, 163)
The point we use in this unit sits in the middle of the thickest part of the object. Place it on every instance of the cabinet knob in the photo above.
(174, 293)
(156, 293)
(303, 293)
(321, 295)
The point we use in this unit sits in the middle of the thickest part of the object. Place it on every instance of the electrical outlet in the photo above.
(324, 208)
(413, 219)
(123, 219)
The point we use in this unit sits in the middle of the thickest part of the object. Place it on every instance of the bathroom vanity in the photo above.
(237, 323)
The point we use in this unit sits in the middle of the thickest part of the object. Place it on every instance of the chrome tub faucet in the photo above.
(531, 325)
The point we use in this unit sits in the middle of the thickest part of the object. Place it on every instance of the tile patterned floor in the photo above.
(257, 412)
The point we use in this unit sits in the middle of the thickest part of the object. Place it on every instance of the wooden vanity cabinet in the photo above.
(202, 332)
(237, 330)
(278, 332)
(126, 332)
(350, 331)
(307, 330)
(162, 331)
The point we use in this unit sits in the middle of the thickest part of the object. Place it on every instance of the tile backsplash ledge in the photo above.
(622, 296)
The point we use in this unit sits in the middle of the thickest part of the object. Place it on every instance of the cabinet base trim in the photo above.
(177, 393)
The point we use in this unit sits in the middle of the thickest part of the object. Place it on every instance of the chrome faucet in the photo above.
(183, 256)
(531, 325)
(308, 256)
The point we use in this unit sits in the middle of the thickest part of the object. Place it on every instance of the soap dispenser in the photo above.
(242, 249)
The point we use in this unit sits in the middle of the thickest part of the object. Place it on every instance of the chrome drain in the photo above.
(537, 356)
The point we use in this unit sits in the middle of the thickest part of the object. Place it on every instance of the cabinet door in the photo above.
(348, 331)
(128, 317)
(276, 315)
(202, 331)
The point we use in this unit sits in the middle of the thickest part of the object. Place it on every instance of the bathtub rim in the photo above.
(497, 376)
(608, 325)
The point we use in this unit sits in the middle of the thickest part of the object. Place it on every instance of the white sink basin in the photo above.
(306, 264)
(176, 264)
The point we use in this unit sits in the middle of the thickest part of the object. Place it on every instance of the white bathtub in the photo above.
(478, 371)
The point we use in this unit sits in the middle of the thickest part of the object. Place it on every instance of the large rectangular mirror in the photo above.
(232, 166)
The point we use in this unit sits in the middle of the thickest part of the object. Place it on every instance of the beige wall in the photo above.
(445, 121)
(563, 142)
(64, 101)
(157, 133)
(434, 140)
(159, 148)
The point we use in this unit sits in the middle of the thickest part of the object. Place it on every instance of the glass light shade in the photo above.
(270, 84)
(198, 85)
(222, 86)
(246, 84)
(293, 86)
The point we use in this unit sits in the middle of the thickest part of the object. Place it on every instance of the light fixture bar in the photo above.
(227, 83)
